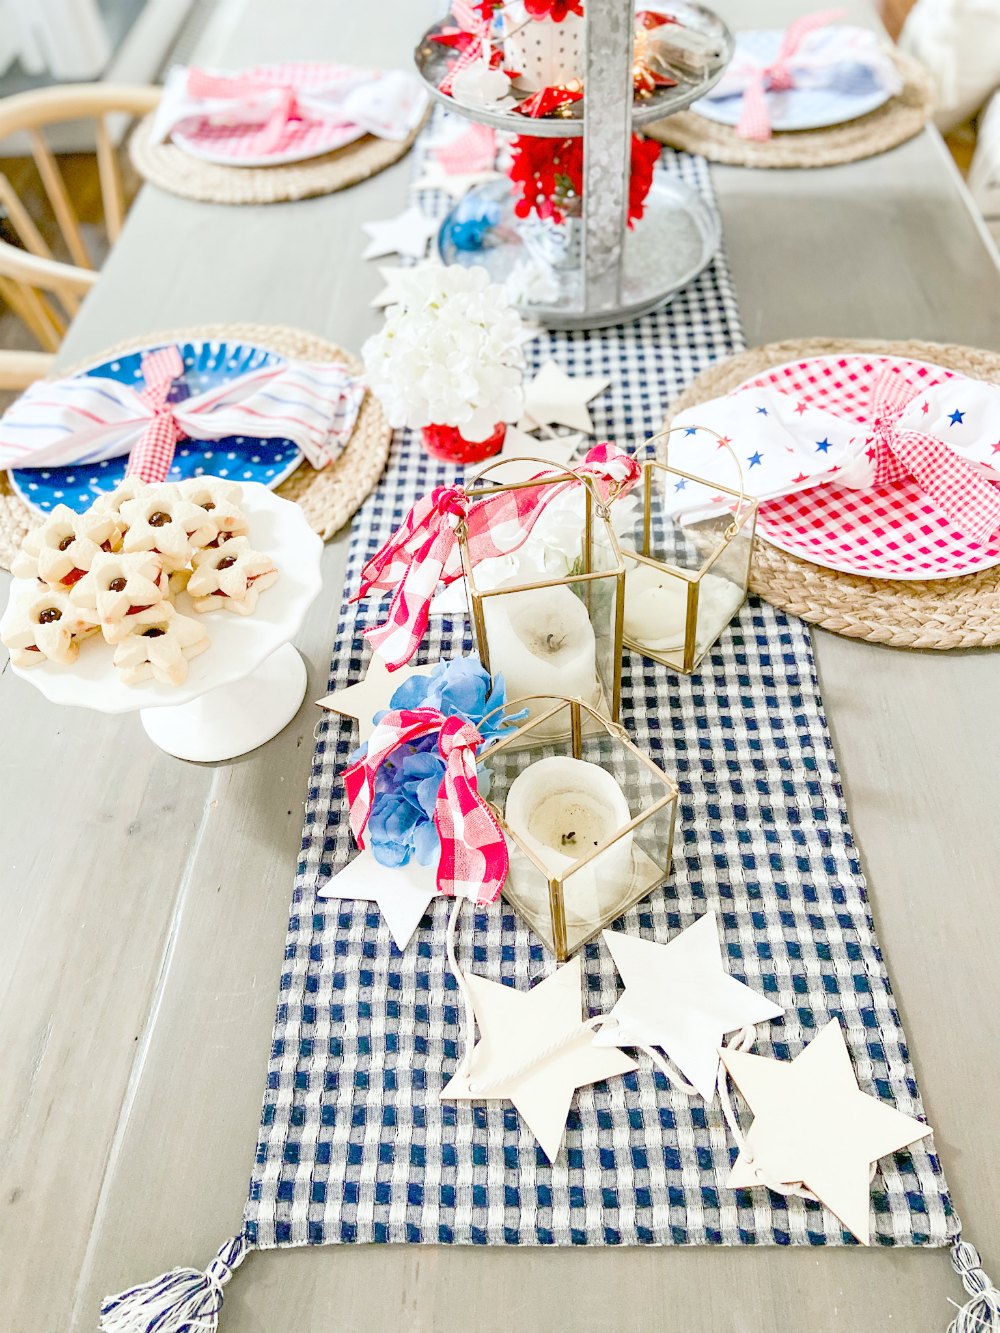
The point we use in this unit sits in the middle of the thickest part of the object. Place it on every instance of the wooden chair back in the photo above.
(29, 273)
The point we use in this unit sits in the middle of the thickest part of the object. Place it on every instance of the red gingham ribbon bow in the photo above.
(755, 119)
(153, 453)
(474, 858)
(420, 553)
(423, 551)
(957, 488)
(202, 84)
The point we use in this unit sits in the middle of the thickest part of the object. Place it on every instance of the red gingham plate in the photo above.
(886, 532)
(240, 145)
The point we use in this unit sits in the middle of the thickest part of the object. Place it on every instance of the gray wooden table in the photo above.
(143, 901)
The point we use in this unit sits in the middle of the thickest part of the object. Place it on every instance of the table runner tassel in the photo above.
(981, 1313)
(185, 1300)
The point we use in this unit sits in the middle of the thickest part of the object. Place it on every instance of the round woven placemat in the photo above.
(893, 123)
(934, 613)
(172, 169)
(328, 497)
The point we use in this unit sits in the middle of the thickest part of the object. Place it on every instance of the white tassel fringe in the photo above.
(183, 1299)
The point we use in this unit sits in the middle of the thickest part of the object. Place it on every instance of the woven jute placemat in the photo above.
(328, 497)
(172, 169)
(893, 123)
(934, 613)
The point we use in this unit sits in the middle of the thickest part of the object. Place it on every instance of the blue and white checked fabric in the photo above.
(355, 1144)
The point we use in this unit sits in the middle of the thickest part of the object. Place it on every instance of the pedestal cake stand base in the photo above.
(232, 719)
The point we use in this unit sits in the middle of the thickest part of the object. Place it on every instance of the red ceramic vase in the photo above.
(446, 443)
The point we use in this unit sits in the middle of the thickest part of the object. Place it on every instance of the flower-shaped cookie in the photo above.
(230, 576)
(161, 520)
(161, 651)
(45, 626)
(110, 502)
(63, 548)
(122, 591)
(221, 501)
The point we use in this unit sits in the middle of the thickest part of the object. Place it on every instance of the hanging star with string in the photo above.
(814, 1126)
(678, 996)
(534, 1050)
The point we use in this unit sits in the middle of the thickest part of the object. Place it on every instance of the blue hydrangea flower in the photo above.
(401, 825)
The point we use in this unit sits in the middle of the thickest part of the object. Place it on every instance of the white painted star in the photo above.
(403, 893)
(457, 184)
(406, 234)
(678, 996)
(390, 293)
(535, 1051)
(369, 695)
(554, 398)
(813, 1125)
(519, 448)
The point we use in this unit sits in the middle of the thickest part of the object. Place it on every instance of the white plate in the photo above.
(238, 644)
(799, 108)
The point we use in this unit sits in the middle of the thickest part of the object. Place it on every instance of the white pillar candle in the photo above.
(656, 608)
(542, 642)
(562, 809)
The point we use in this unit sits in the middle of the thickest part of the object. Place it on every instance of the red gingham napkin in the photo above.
(880, 466)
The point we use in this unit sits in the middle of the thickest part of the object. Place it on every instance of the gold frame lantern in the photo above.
(566, 631)
(588, 818)
(685, 609)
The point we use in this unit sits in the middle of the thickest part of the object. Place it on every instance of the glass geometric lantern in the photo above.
(588, 818)
(688, 557)
(548, 616)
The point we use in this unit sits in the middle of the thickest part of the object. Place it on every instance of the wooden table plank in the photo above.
(140, 964)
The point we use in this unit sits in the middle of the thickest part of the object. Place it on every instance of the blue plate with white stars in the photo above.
(236, 457)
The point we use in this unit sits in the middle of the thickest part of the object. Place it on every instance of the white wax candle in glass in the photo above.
(542, 642)
(656, 608)
(562, 809)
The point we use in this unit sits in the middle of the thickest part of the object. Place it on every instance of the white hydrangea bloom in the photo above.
(450, 352)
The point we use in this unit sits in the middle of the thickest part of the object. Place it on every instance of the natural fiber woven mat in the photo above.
(172, 169)
(890, 125)
(936, 613)
(328, 497)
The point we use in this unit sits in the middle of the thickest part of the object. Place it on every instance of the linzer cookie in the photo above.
(122, 591)
(230, 577)
(63, 548)
(161, 651)
(161, 520)
(221, 500)
(45, 626)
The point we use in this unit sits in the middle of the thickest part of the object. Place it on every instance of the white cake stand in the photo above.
(246, 686)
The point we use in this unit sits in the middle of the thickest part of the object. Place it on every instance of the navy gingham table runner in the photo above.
(355, 1144)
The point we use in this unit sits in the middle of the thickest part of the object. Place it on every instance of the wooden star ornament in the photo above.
(814, 1126)
(534, 1050)
(369, 696)
(406, 234)
(403, 893)
(554, 398)
(679, 996)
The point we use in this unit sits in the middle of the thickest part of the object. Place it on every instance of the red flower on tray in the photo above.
(548, 176)
(556, 10)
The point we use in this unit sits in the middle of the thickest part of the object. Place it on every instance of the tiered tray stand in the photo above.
(623, 272)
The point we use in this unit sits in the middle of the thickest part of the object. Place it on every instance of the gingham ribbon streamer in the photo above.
(812, 54)
(891, 418)
(153, 453)
(388, 104)
(755, 119)
(423, 551)
(89, 418)
(474, 858)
